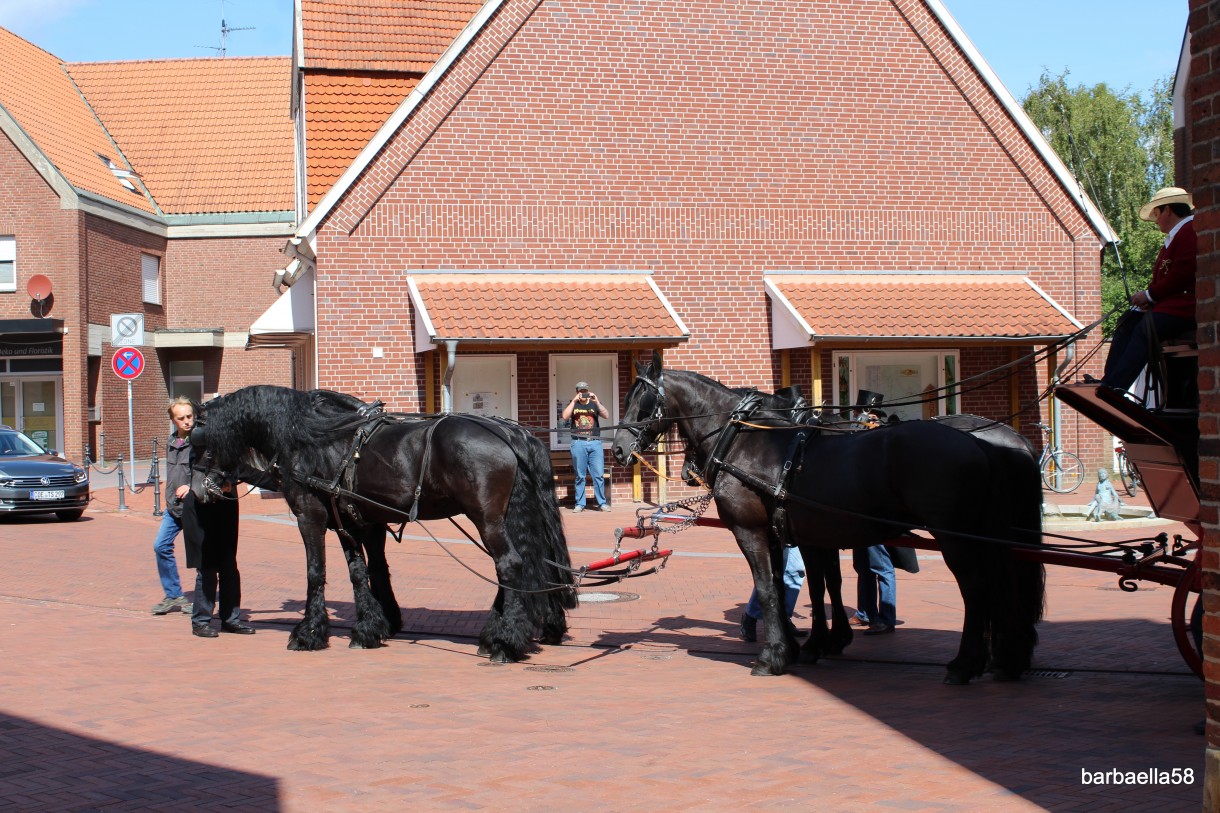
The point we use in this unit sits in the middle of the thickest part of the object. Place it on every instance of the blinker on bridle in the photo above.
(658, 414)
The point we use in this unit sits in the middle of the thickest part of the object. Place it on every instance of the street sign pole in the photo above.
(128, 363)
(131, 430)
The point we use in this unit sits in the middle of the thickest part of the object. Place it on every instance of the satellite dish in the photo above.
(39, 287)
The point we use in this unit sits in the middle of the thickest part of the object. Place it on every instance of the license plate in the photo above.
(47, 495)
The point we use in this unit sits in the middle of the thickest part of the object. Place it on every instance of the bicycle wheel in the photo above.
(1127, 473)
(1062, 472)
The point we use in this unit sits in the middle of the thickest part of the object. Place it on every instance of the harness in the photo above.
(718, 460)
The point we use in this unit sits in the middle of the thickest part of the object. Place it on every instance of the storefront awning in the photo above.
(542, 309)
(18, 327)
(289, 322)
(950, 308)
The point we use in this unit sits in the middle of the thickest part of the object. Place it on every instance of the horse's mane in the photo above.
(303, 429)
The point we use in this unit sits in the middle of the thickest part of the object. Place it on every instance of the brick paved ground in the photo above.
(649, 707)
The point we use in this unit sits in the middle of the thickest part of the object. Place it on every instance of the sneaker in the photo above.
(167, 605)
(187, 605)
(605, 507)
(578, 509)
(749, 628)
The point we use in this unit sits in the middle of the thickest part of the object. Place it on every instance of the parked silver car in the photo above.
(35, 481)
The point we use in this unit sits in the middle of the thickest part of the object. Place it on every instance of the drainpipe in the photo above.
(1069, 355)
(447, 385)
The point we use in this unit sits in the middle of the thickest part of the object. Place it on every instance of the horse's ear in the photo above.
(656, 361)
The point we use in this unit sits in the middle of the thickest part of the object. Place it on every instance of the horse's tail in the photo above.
(534, 523)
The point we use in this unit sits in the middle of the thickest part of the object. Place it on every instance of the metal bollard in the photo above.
(101, 448)
(88, 459)
(122, 485)
(154, 476)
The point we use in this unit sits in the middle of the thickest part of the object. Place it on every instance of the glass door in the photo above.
(40, 412)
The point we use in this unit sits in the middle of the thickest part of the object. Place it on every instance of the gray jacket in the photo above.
(177, 471)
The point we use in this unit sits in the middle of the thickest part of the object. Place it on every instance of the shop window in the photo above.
(485, 385)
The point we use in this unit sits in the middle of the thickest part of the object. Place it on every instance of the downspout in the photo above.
(1069, 355)
(447, 386)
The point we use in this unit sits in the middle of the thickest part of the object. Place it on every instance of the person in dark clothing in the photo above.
(177, 486)
(210, 528)
(1166, 309)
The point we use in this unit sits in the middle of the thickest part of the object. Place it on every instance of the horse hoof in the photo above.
(765, 671)
(808, 658)
(483, 651)
(501, 657)
(354, 644)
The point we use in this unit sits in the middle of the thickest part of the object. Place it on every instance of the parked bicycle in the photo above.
(1126, 470)
(1062, 472)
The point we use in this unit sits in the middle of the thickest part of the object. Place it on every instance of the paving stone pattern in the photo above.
(649, 706)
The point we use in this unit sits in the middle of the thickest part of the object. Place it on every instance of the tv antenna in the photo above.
(225, 30)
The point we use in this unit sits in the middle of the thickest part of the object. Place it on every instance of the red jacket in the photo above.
(1173, 275)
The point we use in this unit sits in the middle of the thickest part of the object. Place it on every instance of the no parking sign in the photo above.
(128, 363)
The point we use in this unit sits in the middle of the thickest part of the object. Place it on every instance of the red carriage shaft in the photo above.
(627, 556)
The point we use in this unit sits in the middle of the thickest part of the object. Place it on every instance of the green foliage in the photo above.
(1120, 148)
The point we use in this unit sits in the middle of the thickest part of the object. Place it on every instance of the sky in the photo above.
(1127, 44)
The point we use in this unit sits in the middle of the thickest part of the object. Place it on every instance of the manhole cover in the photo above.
(549, 669)
(1045, 673)
(540, 688)
(418, 706)
(607, 597)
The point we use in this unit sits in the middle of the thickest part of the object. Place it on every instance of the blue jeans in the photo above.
(588, 460)
(875, 572)
(794, 577)
(163, 547)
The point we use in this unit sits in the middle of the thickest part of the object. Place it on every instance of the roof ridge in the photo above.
(217, 59)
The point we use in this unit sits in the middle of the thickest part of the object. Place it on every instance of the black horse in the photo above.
(856, 489)
(348, 466)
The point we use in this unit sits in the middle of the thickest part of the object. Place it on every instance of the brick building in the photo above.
(161, 189)
(837, 194)
(1197, 111)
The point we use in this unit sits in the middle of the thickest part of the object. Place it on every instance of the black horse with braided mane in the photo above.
(979, 499)
(349, 466)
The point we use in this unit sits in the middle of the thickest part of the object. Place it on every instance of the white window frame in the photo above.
(8, 255)
(600, 370)
(948, 403)
(150, 278)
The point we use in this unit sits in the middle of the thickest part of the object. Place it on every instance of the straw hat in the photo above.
(1164, 197)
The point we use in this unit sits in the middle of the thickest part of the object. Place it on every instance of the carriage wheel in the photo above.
(1191, 582)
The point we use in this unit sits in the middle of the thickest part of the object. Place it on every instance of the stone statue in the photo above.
(1106, 503)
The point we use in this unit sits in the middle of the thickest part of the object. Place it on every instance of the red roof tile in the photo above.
(544, 307)
(394, 35)
(206, 135)
(38, 93)
(933, 306)
(342, 112)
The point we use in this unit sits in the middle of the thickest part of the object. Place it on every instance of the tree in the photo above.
(1120, 148)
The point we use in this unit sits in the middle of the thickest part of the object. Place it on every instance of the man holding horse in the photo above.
(177, 486)
(585, 412)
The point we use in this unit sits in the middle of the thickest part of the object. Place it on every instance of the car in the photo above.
(34, 480)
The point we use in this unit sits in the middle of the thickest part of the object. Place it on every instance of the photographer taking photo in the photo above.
(588, 459)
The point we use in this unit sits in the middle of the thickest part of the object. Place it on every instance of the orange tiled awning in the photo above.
(579, 308)
(811, 308)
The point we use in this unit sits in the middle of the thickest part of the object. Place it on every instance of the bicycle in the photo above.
(1062, 472)
(1126, 470)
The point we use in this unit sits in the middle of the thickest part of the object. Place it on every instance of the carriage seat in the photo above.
(564, 476)
(1181, 346)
